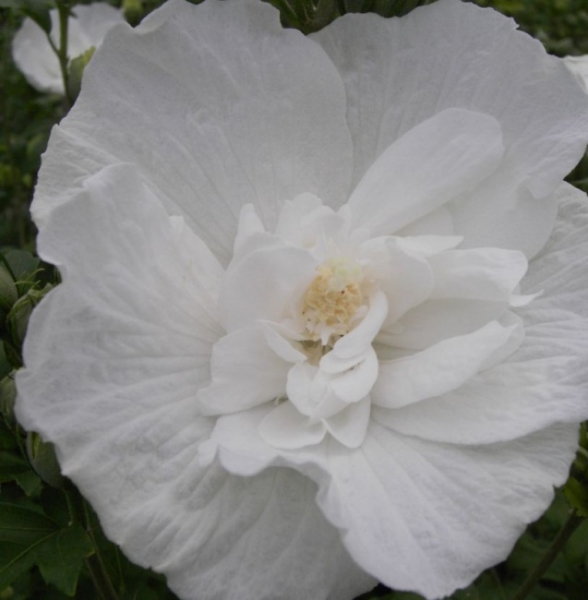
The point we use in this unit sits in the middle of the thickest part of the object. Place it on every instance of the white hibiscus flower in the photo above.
(320, 324)
(86, 29)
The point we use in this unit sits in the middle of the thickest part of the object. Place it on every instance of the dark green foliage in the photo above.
(311, 15)
(561, 25)
(576, 488)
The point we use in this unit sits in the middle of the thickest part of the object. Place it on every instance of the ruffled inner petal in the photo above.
(285, 427)
(438, 369)
(245, 372)
(263, 285)
(437, 320)
(349, 426)
(402, 274)
(356, 383)
(545, 380)
(482, 274)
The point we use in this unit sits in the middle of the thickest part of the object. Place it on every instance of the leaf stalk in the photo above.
(558, 544)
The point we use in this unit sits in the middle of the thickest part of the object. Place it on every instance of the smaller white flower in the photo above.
(86, 29)
(578, 65)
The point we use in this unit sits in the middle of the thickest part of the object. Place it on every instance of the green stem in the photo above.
(564, 534)
(64, 12)
(498, 583)
(96, 565)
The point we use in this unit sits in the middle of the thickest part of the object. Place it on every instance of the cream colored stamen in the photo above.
(333, 298)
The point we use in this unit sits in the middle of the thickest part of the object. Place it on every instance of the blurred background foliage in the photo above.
(51, 544)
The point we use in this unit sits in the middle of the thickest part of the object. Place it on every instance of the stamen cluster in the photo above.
(332, 301)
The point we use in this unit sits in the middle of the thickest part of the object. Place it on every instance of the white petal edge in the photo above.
(193, 114)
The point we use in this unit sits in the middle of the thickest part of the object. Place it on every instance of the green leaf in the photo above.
(5, 366)
(8, 293)
(11, 464)
(7, 396)
(43, 459)
(527, 553)
(14, 467)
(7, 437)
(576, 488)
(11, 3)
(12, 355)
(23, 526)
(541, 593)
(38, 10)
(28, 537)
(76, 71)
(577, 494)
(21, 263)
(576, 551)
(17, 319)
(29, 482)
(487, 587)
(61, 558)
(13, 562)
(306, 15)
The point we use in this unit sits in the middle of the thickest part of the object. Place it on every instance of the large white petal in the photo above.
(270, 541)
(436, 161)
(546, 380)
(525, 227)
(134, 309)
(400, 72)
(219, 106)
(412, 509)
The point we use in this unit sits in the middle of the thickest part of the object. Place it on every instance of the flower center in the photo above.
(331, 302)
